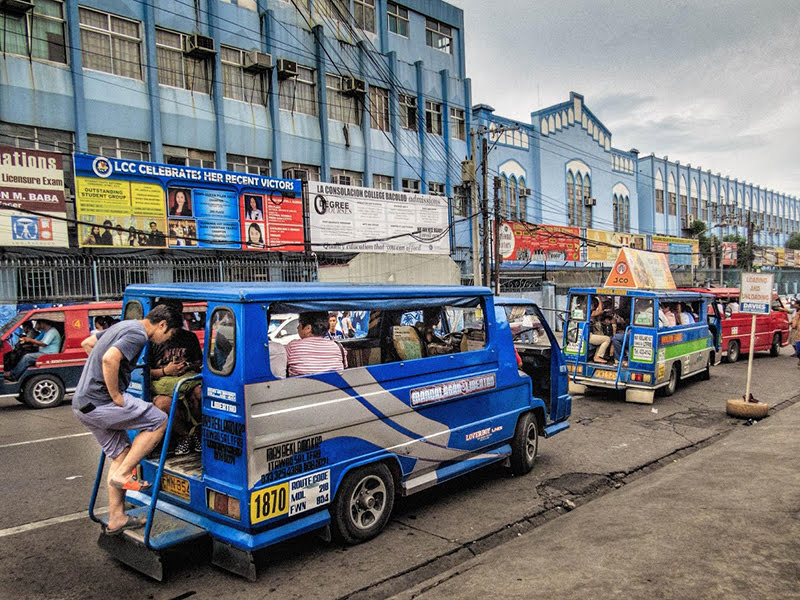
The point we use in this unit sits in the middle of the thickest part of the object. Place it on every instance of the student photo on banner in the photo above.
(255, 236)
(99, 235)
(253, 207)
(180, 202)
(182, 233)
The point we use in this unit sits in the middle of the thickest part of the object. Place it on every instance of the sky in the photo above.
(713, 83)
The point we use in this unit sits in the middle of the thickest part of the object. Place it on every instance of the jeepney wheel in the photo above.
(525, 445)
(706, 374)
(363, 503)
(775, 348)
(733, 351)
(43, 391)
(672, 384)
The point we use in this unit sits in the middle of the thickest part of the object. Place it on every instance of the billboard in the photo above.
(680, 251)
(729, 253)
(609, 243)
(639, 269)
(127, 203)
(356, 219)
(523, 243)
(32, 180)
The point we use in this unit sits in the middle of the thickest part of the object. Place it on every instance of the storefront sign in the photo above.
(681, 251)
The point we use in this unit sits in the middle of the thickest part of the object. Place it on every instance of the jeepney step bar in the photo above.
(167, 532)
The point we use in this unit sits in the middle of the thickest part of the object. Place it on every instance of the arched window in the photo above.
(705, 213)
(615, 208)
(503, 196)
(684, 202)
(513, 199)
(714, 204)
(626, 217)
(587, 196)
(659, 193)
(578, 201)
(693, 206)
(558, 121)
(672, 203)
(545, 128)
(523, 200)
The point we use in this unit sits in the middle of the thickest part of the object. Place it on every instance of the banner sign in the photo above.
(641, 270)
(143, 204)
(789, 258)
(729, 253)
(756, 293)
(523, 243)
(32, 180)
(681, 251)
(770, 256)
(349, 218)
(609, 243)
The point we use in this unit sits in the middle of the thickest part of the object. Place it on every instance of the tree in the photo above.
(793, 242)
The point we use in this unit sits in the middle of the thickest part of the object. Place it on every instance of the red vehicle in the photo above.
(45, 384)
(772, 330)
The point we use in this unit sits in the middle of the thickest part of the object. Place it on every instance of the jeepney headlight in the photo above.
(223, 504)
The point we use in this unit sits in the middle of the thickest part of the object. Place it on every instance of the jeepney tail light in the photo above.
(637, 377)
(224, 504)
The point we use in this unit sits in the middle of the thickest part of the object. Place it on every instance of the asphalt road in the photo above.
(48, 546)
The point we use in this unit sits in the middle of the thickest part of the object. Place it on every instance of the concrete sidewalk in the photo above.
(721, 523)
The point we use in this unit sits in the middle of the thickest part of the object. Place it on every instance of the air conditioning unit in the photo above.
(354, 87)
(286, 68)
(342, 179)
(200, 46)
(590, 201)
(687, 222)
(257, 62)
(300, 174)
(16, 6)
(525, 193)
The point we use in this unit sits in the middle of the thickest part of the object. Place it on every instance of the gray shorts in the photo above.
(109, 422)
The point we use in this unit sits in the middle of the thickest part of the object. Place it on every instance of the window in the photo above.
(643, 312)
(579, 193)
(333, 9)
(364, 14)
(439, 36)
(660, 201)
(502, 199)
(345, 177)
(433, 117)
(176, 69)
(248, 164)
(175, 155)
(379, 108)
(237, 83)
(341, 107)
(38, 34)
(411, 186)
(133, 310)
(298, 94)
(408, 111)
(111, 147)
(458, 125)
(621, 207)
(522, 200)
(110, 44)
(684, 206)
(436, 189)
(672, 203)
(36, 138)
(300, 171)
(221, 353)
(383, 182)
(398, 19)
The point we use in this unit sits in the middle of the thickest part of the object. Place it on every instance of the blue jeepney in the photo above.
(655, 350)
(431, 391)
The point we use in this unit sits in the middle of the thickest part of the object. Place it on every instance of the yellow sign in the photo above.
(641, 270)
(269, 503)
(603, 246)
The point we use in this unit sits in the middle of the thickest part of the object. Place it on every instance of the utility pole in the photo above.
(496, 236)
(749, 245)
(468, 178)
(485, 166)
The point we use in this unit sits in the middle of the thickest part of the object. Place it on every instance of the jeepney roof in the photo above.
(270, 292)
(667, 294)
(515, 301)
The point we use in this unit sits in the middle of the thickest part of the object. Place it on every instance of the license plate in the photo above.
(605, 374)
(177, 486)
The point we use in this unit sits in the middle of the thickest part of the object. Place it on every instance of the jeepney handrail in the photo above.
(581, 335)
(163, 458)
(101, 463)
(621, 355)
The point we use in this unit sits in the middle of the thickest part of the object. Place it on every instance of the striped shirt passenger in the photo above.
(312, 353)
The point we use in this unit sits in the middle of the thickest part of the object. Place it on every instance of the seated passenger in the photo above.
(669, 317)
(620, 323)
(599, 339)
(49, 342)
(312, 353)
(22, 347)
(332, 333)
(179, 357)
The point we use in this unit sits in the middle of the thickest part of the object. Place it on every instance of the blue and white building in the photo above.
(359, 92)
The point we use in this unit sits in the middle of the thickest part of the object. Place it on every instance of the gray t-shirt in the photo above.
(127, 336)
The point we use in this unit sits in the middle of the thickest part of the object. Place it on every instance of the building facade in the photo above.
(357, 92)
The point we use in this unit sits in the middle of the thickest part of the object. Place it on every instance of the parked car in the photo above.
(772, 330)
(45, 383)
(283, 328)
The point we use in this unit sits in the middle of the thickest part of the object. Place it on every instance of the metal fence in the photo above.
(78, 278)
